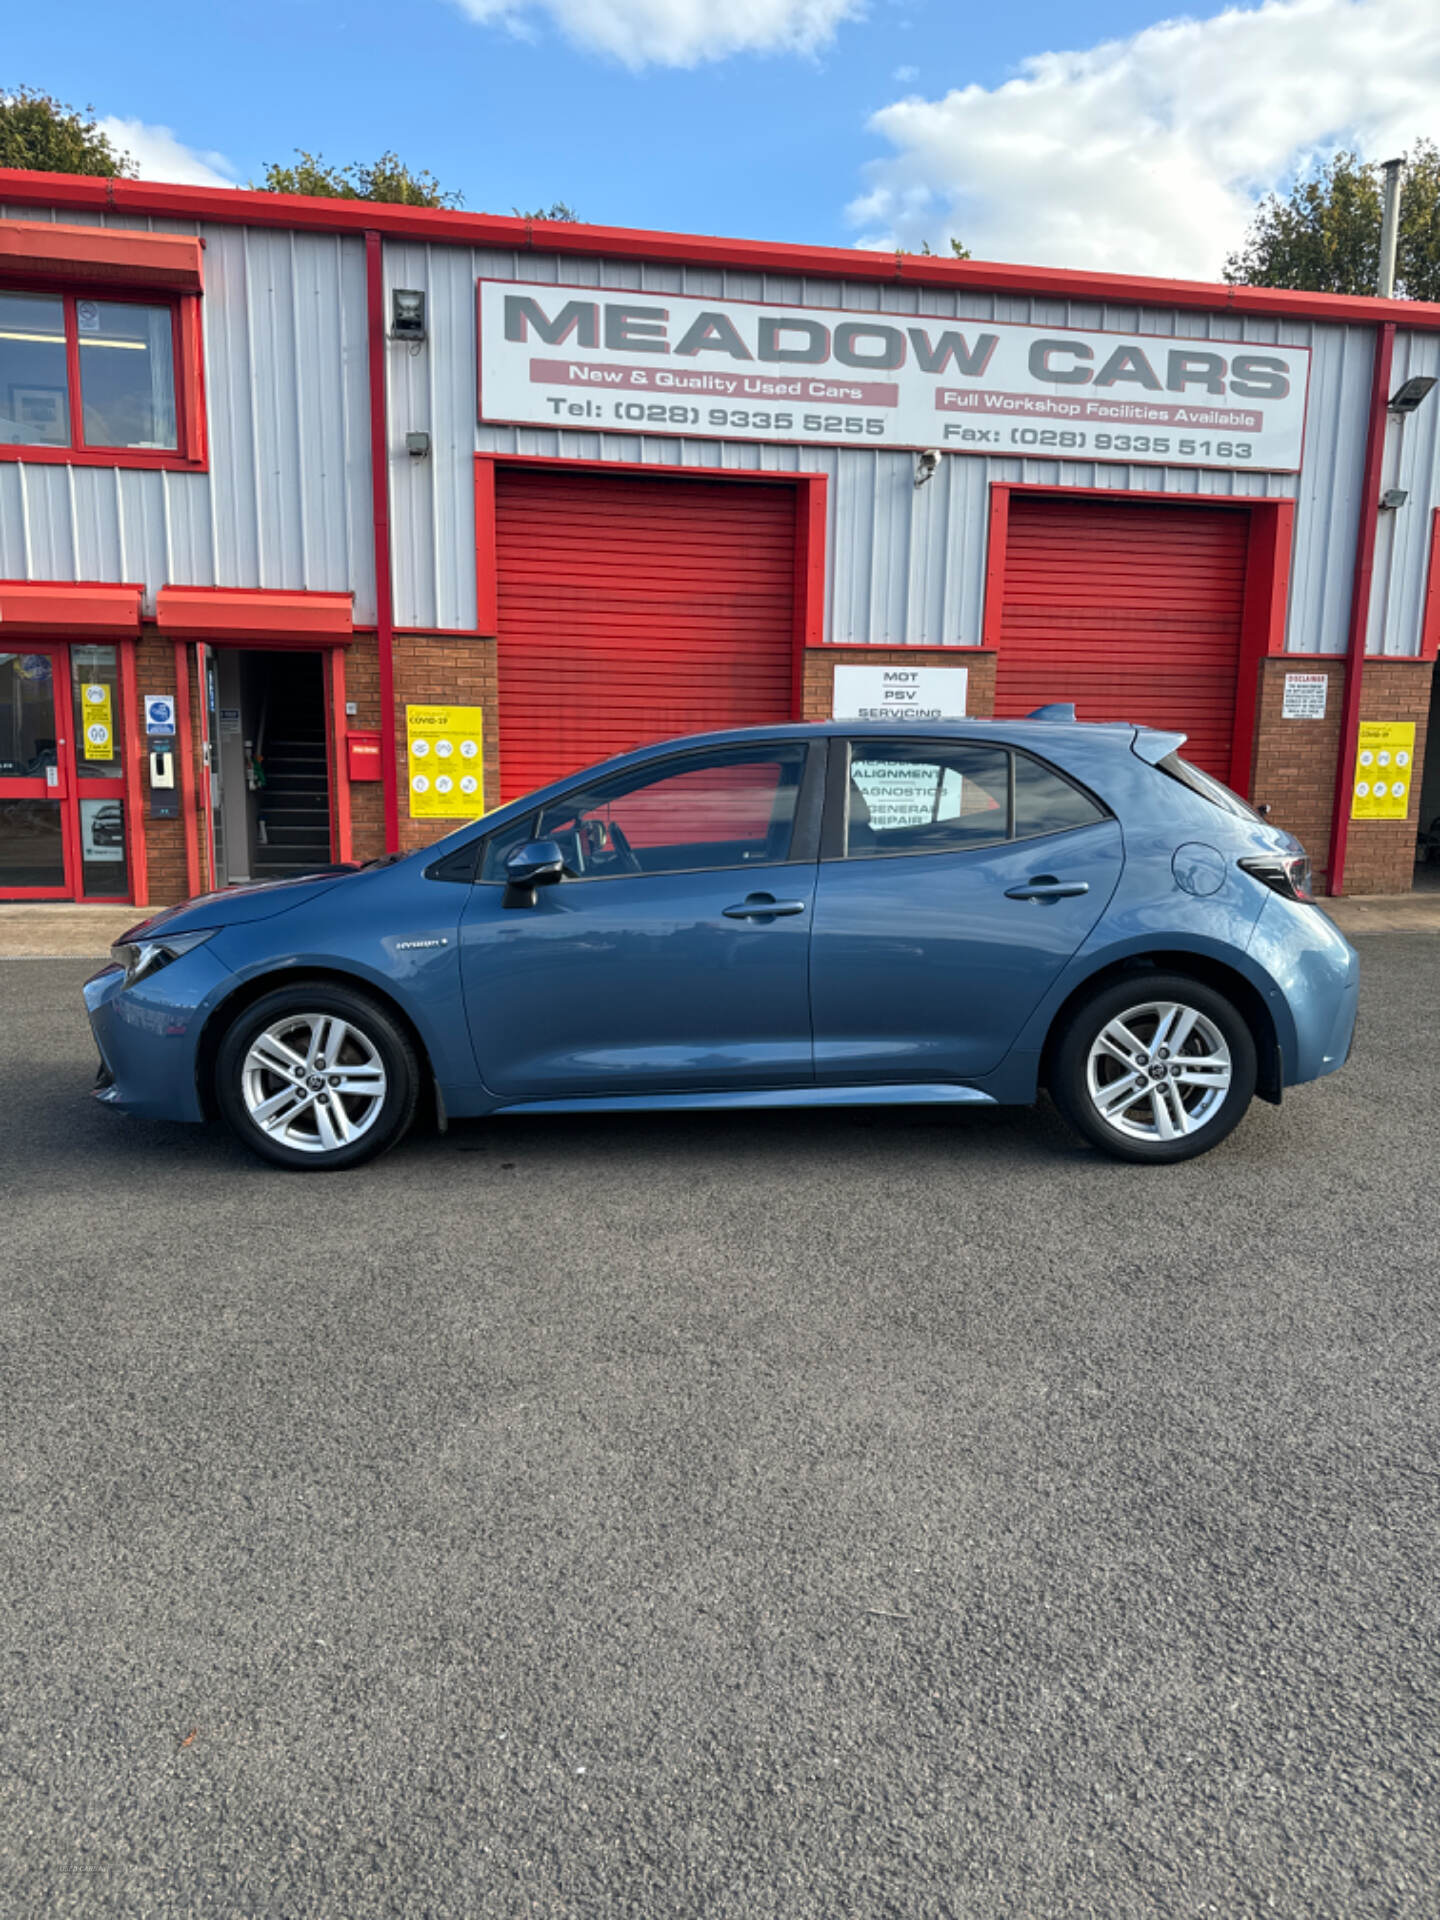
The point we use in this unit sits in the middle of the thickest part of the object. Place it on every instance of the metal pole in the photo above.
(1390, 229)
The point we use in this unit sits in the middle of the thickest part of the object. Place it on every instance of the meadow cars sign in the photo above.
(736, 370)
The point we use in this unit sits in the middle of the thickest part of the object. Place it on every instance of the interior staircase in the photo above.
(293, 812)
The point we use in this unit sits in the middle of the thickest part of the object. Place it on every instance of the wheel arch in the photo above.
(1209, 971)
(246, 992)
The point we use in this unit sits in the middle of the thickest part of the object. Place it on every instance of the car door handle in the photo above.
(1045, 886)
(762, 906)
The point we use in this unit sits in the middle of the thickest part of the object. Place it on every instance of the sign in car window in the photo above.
(602, 359)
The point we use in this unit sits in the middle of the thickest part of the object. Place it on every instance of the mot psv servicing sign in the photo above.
(738, 370)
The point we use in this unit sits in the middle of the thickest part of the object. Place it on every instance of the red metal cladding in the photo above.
(633, 609)
(1131, 610)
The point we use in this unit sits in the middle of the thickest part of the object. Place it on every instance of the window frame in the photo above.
(804, 831)
(190, 452)
(835, 831)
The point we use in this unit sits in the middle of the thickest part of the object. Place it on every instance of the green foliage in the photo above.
(560, 210)
(960, 252)
(1325, 237)
(44, 135)
(387, 178)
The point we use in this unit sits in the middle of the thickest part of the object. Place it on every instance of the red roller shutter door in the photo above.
(1131, 610)
(634, 609)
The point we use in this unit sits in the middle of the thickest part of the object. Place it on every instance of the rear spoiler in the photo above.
(1147, 744)
(1152, 747)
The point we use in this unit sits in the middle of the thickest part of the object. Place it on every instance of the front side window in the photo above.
(925, 797)
(731, 808)
(117, 389)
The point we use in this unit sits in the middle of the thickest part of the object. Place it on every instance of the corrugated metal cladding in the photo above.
(902, 565)
(286, 503)
(1402, 547)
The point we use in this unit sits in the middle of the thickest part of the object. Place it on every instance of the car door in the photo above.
(959, 878)
(672, 956)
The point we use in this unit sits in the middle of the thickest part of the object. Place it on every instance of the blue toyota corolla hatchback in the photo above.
(787, 916)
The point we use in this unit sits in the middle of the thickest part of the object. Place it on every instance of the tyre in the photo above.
(1155, 1067)
(317, 1078)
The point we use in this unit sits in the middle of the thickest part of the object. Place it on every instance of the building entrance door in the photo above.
(269, 763)
(33, 865)
(62, 791)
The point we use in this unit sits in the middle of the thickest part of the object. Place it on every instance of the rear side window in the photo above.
(1046, 803)
(1207, 786)
(925, 797)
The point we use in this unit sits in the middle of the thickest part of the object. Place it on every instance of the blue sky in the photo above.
(1110, 140)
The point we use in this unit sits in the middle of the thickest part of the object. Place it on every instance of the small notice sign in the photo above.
(902, 694)
(1384, 766)
(1305, 695)
(99, 721)
(445, 762)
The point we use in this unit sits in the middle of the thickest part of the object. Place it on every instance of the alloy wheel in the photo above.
(313, 1082)
(1158, 1071)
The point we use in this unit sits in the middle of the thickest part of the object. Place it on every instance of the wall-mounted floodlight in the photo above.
(1407, 398)
(1392, 498)
(407, 313)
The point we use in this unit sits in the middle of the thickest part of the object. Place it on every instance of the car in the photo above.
(834, 914)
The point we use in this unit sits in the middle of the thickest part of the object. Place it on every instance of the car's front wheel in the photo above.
(317, 1078)
(1156, 1067)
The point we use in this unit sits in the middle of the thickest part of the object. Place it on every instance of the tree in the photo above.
(960, 251)
(560, 210)
(387, 178)
(44, 135)
(1325, 237)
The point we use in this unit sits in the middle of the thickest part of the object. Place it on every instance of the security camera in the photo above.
(927, 466)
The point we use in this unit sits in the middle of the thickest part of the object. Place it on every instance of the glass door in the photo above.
(34, 789)
(103, 870)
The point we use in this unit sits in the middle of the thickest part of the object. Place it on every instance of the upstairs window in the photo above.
(87, 374)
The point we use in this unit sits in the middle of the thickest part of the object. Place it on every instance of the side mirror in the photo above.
(539, 863)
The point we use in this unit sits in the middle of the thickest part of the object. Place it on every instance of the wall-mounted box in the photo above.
(362, 756)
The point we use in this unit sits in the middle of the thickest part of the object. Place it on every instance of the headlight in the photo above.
(140, 958)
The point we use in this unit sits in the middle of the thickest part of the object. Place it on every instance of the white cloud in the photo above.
(676, 33)
(1147, 155)
(905, 75)
(158, 155)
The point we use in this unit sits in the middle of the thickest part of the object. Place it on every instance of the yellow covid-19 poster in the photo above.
(445, 761)
(98, 720)
(1384, 767)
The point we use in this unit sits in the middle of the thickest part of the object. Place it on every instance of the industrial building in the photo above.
(326, 524)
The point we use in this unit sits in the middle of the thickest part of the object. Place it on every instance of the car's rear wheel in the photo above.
(317, 1078)
(1155, 1067)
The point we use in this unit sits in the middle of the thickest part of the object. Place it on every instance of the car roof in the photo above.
(1044, 736)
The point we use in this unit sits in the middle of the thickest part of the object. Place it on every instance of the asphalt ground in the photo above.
(810, 1516)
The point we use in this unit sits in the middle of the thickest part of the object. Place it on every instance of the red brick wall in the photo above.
(821, 662)
(457, 670)
(1296, 762)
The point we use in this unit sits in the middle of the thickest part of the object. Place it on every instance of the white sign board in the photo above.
(901, 694)
(1305, 695)
(631, 362)
(159, 713)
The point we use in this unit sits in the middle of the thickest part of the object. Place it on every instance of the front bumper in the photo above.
(148, 1035)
